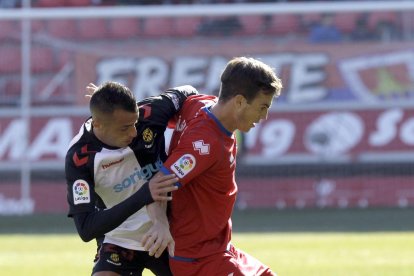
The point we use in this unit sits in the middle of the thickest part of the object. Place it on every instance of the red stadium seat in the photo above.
(124, 27)
(382, 17)
(62, 28)
(252, 24)
(78, 3)
(49, 3)
(93, 28)
(10, 61)
(64, 57)
(155, 26)
(186, 26)
(346, 22)
(42, 60)
(38, 26)
(284, 24)
(60, 94)
(11, 92)
(308, 19)
(9, 30)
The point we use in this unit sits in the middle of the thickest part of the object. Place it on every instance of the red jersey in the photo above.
(203, 156)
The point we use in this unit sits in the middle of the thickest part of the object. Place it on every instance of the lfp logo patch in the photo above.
(183, 165)
(81, 192)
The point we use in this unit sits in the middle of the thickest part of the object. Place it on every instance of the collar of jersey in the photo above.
(220, 125)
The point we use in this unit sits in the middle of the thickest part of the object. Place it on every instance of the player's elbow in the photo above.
(86, 237)
(85, 232)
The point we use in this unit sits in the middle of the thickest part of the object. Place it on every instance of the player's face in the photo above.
(255, 111)
(119, 129)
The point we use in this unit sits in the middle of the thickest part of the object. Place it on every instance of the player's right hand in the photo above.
(157, 239)
(161, 185)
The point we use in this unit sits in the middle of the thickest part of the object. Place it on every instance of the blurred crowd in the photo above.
(58, 3)
(318, 28)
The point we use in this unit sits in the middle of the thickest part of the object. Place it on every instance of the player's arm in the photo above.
(196, 152)
(92, 222)
(160, 109)
(158, 237)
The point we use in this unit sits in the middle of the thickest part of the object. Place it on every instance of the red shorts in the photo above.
(233, 262)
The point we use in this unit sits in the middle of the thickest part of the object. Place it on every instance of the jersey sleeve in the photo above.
(80, 183)
(195, 153)
(160, 109)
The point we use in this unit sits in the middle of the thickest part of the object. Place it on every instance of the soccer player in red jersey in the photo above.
(203, 157)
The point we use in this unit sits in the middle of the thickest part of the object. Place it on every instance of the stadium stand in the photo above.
(62, 28)
(283, 24)
(158, 27)
(346, 22)
(8, 31)
(252, 24)
(10, 61)
(382, 17)
(10, 88)
(186, 26)
(42, 60)
(78, 3)
(124, 28)
(92, 29)
(49, 3)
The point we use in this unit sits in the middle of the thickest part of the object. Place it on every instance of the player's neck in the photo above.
(224, 114)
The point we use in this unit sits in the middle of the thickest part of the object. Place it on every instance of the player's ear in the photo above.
(96, 123)
(240, 101)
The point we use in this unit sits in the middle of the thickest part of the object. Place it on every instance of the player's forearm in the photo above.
(157, 211)
(98, 223)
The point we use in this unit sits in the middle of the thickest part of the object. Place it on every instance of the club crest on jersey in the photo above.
(202, 148)
(81, 192)
(148, 137)
(183, 165)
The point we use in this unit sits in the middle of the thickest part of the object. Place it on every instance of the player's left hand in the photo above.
(157, 239)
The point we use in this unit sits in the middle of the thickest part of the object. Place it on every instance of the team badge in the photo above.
(202, 148)
(147, 135)
(114, 259)
(81, 192)
(183, 165)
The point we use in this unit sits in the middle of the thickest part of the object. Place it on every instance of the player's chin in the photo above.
(247, 128)
(123, 144)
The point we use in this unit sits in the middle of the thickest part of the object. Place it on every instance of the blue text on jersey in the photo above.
(145, 173)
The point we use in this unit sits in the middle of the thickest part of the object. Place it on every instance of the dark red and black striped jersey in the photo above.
(101, 177)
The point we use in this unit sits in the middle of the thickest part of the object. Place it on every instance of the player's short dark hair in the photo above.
(110, 96)
(247, 76)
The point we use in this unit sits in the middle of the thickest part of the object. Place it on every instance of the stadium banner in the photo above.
(312, 74)
(385, 134)
(369, 135)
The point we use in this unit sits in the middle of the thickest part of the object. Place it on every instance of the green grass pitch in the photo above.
(287, 254)
(360, 242)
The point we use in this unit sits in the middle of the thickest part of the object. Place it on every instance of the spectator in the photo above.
(362, 32)
(220, 26)
(325, 31)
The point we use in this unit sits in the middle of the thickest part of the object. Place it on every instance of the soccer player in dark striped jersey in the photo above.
(109, 170)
